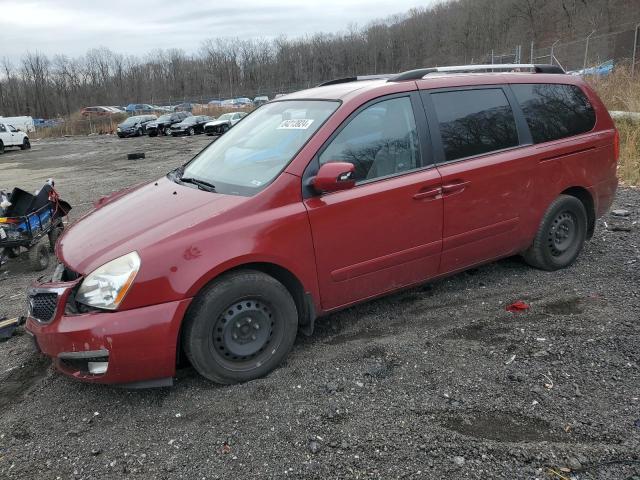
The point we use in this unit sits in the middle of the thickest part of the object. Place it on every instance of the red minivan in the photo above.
(319, 200)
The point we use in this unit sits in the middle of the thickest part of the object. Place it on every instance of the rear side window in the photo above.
(554, 111)
(474, 122)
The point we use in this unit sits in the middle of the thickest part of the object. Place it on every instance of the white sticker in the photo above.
(256, 183)
(3, 234)
(297, 124)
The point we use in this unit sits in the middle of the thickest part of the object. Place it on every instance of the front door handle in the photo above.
(454, 188)
(433, 194)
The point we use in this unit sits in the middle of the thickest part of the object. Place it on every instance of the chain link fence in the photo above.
(596, 53)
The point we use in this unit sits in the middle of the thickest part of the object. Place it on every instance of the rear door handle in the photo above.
(433, 193)
(454, 188)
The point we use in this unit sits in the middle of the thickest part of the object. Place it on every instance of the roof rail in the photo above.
(421, 72)
(359, 78)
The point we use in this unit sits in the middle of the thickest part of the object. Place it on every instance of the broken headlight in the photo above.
(107, 285)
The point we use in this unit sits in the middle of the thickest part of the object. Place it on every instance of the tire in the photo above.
(224, 129)
(153, 134)
(561, 235)
(39, 257)
(26, 144)
(12, 252)
(240, 327)
(191, 132)
(139, 132)
(1, 147)
(54, 234)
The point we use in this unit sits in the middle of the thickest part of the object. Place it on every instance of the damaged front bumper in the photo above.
(135, 346)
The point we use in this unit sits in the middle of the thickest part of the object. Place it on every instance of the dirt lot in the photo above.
(423, 384)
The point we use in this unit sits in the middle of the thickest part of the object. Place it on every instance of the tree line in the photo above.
(450, 31)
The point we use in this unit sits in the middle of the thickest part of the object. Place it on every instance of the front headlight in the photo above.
(107, 285)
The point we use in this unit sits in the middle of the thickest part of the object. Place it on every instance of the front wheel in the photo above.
(1, 147)
(139, 132)
(26, 145)
(240, 328)
(561, 235)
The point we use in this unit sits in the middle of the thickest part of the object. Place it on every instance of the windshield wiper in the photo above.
(201, 184)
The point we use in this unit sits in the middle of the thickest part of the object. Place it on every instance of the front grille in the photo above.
(43, 306)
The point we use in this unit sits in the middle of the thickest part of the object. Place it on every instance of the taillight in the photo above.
(616, 145)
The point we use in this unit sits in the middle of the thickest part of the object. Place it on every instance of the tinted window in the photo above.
(381, 140)
(473, 122)
(2, 129)
(555, 111)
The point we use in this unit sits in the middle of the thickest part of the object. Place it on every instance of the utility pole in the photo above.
(586, 51)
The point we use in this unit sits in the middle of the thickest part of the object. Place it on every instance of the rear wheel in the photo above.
(192, 131)
(54, 234)
(1, 147)
(39, 257)
(26, 145)
(240, 328)
(561, 235)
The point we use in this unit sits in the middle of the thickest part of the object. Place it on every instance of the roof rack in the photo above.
(507, 67)
(359, 78)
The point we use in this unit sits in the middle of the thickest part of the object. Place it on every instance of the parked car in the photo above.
(260, 100)
(243, 102)
(316, 202)
(162, 124)
(190, 125)
(97, 111)
(215, 103)
(139, 108)
(223, 123)
(183, 107)
(12, 137)
(135, 126)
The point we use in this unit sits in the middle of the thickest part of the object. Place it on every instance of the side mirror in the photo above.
(334, 176)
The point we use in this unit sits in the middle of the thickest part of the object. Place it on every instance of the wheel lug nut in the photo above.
(256, 326)
(238, 325)
(253, 337)
(235, 337)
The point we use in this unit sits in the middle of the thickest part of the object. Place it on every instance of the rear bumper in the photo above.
(139, 345)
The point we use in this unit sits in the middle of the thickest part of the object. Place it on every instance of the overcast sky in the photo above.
(71, 27)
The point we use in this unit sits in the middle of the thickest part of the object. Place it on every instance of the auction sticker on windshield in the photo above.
(298, 124)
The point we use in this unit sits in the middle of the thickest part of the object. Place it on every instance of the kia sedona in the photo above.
(320, 200)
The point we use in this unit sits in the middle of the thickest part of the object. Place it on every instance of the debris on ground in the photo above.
(135, 155)
(8, 326)
(620, 213)
(519, 306)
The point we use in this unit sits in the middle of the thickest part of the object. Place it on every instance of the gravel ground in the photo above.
(435, 382)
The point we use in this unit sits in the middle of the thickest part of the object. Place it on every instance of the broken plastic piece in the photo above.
(519, 306)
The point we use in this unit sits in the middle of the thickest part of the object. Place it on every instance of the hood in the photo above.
(182, 125)
(138, 220)
(216, 122)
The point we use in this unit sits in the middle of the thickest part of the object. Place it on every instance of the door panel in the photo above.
(486, 184)
(376, 237)
(386, 232)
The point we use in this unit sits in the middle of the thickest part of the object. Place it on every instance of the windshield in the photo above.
(256, 150)
(164, 118)
(226, 116)
(130, 121)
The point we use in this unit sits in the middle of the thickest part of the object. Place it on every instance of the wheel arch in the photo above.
(302, 299)
(586, 198)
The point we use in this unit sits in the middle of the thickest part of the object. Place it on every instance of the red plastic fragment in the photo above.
(518, 306)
